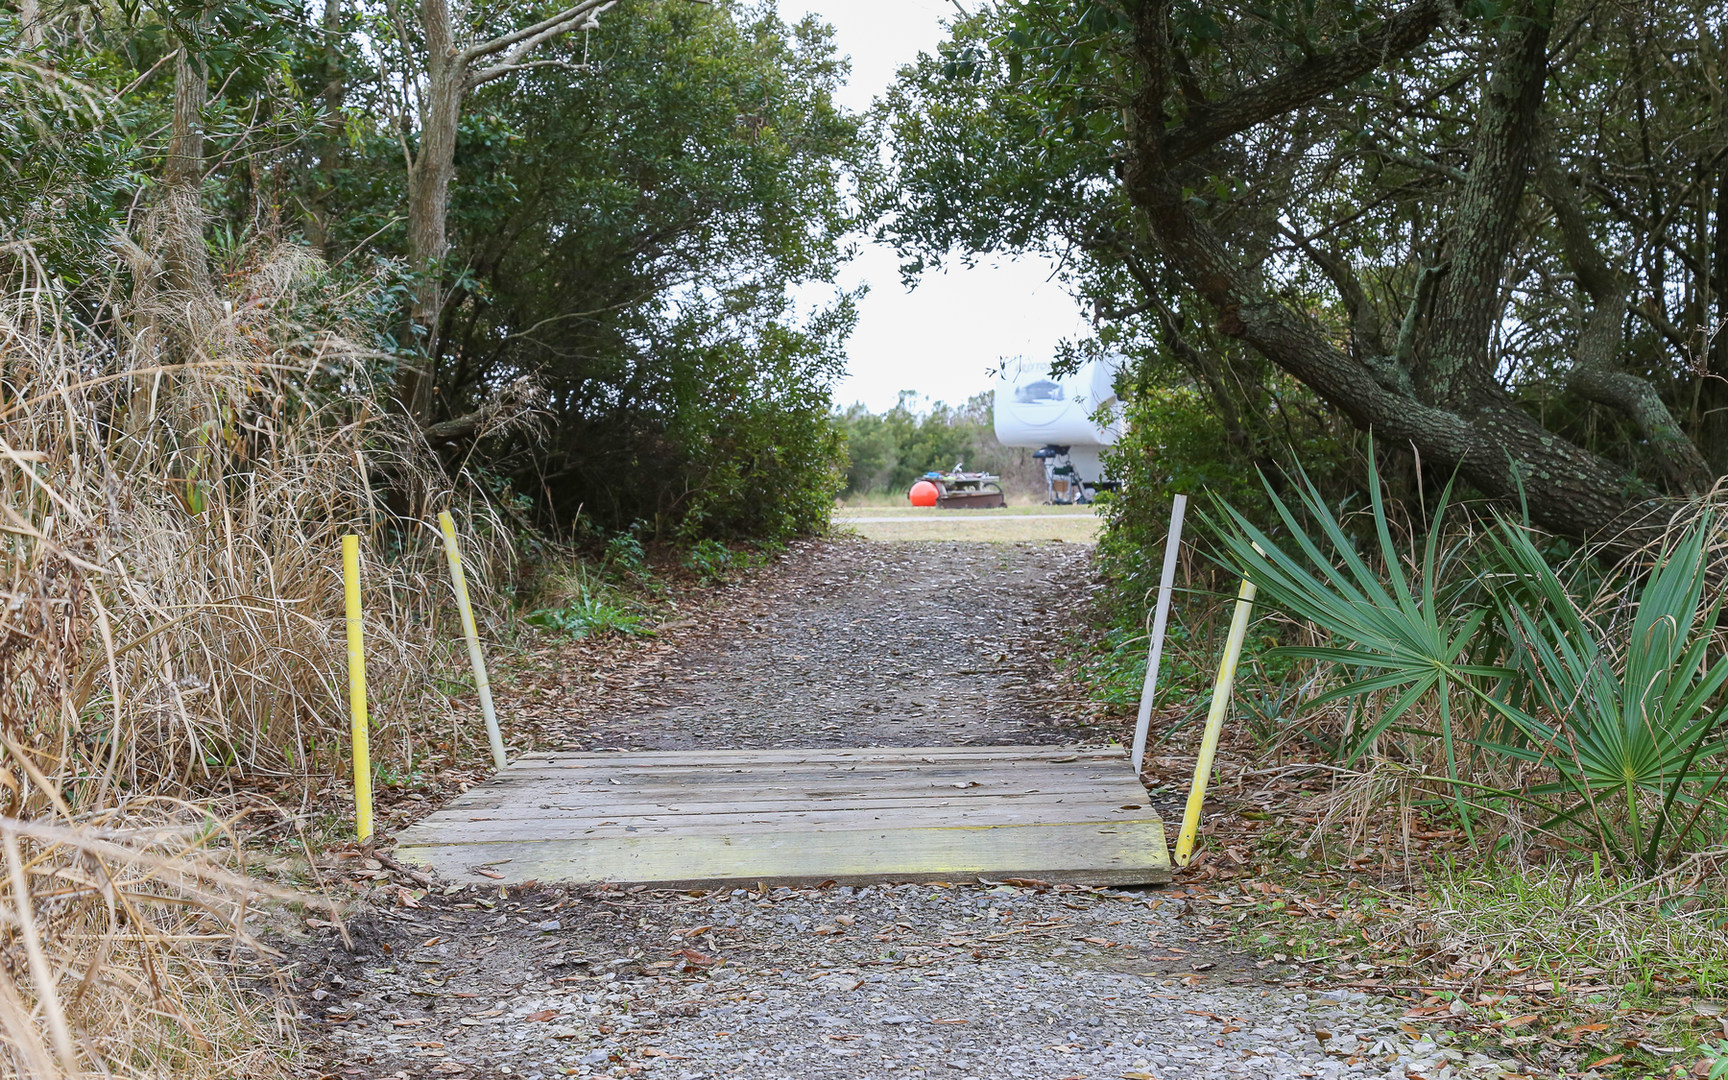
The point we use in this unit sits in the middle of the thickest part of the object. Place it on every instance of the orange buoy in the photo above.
(924, 493)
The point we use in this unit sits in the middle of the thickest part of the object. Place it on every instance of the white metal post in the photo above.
(1160, 618)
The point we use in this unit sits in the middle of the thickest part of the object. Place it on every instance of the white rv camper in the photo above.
(1068, 420)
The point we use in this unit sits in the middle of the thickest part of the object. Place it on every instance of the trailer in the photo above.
(1069, 420)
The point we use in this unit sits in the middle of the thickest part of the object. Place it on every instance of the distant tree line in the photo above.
(888, 451)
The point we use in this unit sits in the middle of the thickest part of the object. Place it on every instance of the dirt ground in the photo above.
(844, 642)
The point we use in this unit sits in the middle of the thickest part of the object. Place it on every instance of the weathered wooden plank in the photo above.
(661, 758)
(463, 829)
(688, 797)
(1102, 853)
(719, 788)
(691, 818)
(1120, 797)
(692, 793)
(733, 772)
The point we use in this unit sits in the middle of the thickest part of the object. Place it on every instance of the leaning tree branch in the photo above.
(1494, 444)
(1315, 77)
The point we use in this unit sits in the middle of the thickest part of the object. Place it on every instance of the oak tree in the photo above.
(1491, 232)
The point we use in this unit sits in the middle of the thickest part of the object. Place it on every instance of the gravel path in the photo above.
(849, 644)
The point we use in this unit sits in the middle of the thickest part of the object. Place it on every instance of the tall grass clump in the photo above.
(173, 490)
(1577, 924)
(1583, 697)
(175, 478)
(126, 944)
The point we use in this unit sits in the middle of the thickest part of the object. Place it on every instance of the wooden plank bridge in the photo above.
(711, 818)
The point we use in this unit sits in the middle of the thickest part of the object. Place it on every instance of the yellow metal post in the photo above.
(472, 633)
(357, 688)
(1215, 722)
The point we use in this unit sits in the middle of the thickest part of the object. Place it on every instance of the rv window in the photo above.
(1042, 390)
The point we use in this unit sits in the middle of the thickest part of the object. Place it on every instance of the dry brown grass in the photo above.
(125, 949)
(170, 595)
(174, 484)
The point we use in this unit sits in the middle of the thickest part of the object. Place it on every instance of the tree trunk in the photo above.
(1455, 366)
(30, 25)
(450, 74)
(330, 146)
(182, 218)
(429, 195)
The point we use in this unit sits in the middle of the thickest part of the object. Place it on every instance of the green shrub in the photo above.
(624, 553)
(590, 616)
(1174, 443)
(714, 562)
(579, 603)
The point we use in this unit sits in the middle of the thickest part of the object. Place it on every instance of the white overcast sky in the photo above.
(943, 337)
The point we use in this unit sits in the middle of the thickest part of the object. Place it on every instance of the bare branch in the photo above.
(1420, 164)
(1651, 313)
(498, 71)
(535, 34)
(1426, 282)
(1364, 319)
(1596, 374)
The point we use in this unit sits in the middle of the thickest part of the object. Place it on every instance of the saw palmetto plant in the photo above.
(1606, 699)
(1630, 713)
(1392, 632)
